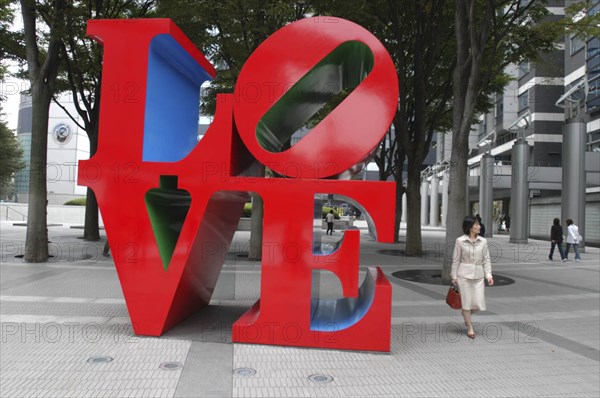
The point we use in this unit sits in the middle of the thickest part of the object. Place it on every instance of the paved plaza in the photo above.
(65, 330)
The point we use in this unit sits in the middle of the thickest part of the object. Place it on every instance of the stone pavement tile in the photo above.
(554, 307)
(77, 282)
(35, 362)
(429, 364)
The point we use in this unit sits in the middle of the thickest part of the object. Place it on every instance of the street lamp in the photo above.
(520, 125)
(486, 189)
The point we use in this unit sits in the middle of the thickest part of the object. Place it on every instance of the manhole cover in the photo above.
(320, 379)
(244, 372)
(171, 365)
(99, 359)
(434, 277)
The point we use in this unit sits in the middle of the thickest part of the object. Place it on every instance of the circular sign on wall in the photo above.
(62, 134)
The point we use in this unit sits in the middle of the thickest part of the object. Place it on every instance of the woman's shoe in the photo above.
(471, 335)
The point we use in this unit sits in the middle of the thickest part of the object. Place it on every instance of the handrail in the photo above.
(24, 216)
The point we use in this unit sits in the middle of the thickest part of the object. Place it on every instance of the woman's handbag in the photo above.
(453, 298)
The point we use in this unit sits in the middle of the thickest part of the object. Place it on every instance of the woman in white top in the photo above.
(470, 264)
(573, 239)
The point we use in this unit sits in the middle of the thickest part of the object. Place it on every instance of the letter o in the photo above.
(298, 332)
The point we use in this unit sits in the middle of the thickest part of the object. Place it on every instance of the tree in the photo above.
(82, 76)
(42, 69)
(11, 156)
(490, 35)
(579, 22)
(10, 42)
(417, 34)
(229, 31)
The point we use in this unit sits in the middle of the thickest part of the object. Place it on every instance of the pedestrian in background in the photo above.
(556, 239)
(470, 265)
(329, 219)
(573, 239)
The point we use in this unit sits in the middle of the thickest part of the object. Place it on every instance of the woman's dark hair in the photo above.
(556, 221)
(468, 223)
(569, 221)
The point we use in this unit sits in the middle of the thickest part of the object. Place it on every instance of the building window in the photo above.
(577, 44)
(595, 9)
(593, 97)
(593, 75)
(483, 127)
(524, 69)
(524, 100)
(499, 109)
(593, 142)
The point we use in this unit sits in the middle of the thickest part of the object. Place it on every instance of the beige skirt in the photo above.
(471, 294)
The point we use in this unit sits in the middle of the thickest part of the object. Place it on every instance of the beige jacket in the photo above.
(471, 260)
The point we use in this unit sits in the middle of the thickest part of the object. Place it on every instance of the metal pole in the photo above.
(519, 193)
(573, 177)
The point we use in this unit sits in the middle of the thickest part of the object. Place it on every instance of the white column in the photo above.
(445, 181)
(434, 203)
(424, 202)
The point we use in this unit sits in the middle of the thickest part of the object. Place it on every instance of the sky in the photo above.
(10, 88)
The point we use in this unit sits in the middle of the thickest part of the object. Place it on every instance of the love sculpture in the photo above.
(171, 203)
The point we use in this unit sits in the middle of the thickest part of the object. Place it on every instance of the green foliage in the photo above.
(76, 202)
(228, 31)
(326, 210)
(10, 42)
(11, 156)
(247, 210)
(418, 36)
(81, 67)
(579, 22)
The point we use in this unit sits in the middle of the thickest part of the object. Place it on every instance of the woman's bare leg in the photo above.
(468, 321)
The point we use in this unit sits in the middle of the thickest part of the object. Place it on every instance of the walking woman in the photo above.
(573, 239)
(556, 237)
(470, 264)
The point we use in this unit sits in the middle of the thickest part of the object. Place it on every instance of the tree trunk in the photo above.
(36, 240)
(457, 200)
(398, 215)
(256, 228)
(457, 185)
(414, 240)
(91, 228)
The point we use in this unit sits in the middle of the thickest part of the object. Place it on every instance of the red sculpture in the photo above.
(171, 204)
